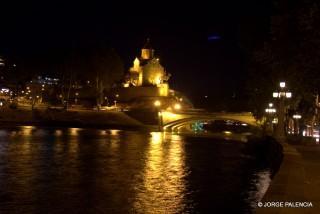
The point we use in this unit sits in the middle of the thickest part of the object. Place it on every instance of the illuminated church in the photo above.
(147, 71)
(147, 82)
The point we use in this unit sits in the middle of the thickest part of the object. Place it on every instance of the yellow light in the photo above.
(227, 132)
(114, 132)
(157, 80)
(74, 131)
(58, 133)
(177, 106)
(297, 116)
(27, 130)
(170, 115)
(157, 103)
(156, 137)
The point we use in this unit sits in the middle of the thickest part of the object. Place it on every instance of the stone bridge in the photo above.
(172, 120)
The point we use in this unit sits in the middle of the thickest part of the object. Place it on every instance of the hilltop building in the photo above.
(147, 81)
(147, 72)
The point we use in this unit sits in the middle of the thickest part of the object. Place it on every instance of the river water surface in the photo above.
(72, 170)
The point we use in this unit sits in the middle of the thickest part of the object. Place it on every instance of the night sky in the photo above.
(203, 45)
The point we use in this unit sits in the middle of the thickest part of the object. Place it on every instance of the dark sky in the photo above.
(40, 33)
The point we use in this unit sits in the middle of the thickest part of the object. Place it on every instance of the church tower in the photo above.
(147, 51)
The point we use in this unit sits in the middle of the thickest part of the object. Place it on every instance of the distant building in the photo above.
(147, 71)
(146, 78)
(46, 80)
(147, 82)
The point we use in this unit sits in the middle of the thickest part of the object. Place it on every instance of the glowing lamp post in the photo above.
(270, 111)
(76, 98)
(2, 64)
(157, 104)
(282, 94)
(296, 117)
(177, 106)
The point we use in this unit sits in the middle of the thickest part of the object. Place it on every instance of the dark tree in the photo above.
(291, 54)
(106, 69)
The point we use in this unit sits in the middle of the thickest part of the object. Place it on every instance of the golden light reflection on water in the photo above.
(102, 132)
(164, 182)
(27, 130)
(58, 133)
(74, 131)
(156, 137)
(114, 132)
(73, 146)
(114, 140)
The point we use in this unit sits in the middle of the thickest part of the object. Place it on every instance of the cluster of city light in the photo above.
(176, 106)
(270, 109)
(5, 90)
(282, 93)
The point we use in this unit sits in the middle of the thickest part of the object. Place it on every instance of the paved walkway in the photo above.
(298, 180)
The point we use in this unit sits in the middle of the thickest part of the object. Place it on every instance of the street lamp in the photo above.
(270, 111)
(76, 98)
(177, 106)
(281, 94)
(296, 118)
(157, 103)
(2, 64)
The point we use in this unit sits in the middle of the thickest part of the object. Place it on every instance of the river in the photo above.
(73, 170)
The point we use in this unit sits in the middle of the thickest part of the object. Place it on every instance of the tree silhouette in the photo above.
(290, 54)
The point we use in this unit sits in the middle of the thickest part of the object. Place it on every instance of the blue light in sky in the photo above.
(214, 37)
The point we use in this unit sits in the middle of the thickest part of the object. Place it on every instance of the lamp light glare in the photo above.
(157, 103)
(297, 116)
(177, 106)
(288, 94)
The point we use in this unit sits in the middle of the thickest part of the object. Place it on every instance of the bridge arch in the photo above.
(171, 121)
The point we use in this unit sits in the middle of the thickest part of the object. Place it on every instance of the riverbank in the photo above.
(70, 118)
(298, 180)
